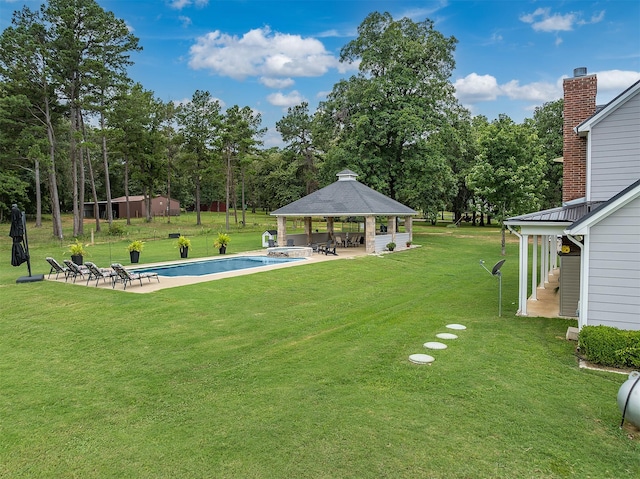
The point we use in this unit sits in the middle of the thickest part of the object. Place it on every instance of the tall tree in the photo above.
(135, 123)
(383, 117)
(26, 65)
(509, 172)
(296, 129)
(240, 134)
(199, 122)
(90, 48)
(547, 122)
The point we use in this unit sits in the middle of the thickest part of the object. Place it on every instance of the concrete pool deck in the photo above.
(168, 282)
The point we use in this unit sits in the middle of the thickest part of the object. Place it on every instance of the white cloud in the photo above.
(180, 4)
(186, 21)
(292, 98)
(616, 81)
(277, 82)
(261, 52)
(542, 20)
(476, 88)
(537, 91)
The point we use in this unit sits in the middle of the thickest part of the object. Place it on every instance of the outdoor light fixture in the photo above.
(495, 271)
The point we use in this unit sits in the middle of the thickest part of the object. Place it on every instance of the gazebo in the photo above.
(348, 197)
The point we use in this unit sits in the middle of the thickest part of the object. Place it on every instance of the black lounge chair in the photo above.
(57, 268)
(328, 249)
(99, 273)
(127, 277)
(75, 270)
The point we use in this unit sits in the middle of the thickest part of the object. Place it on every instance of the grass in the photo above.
(300, 372)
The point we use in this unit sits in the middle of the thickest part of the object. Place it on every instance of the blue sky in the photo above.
(269, 55)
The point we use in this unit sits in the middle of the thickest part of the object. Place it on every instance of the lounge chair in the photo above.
(99, 273)
(75, 270)
(328, 249)
(355, 241)
(272, 243)
(289, 242)
(127, 277)
(58, 268)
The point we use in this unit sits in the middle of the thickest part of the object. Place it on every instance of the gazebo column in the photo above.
(408, 226)
(282, 230)
(391, 227)
(330, 227)
(370, 234)
(308, 229)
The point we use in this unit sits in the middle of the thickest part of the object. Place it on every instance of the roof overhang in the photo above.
(540, 227)
(337, 215)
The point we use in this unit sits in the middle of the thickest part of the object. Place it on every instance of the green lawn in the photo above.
(298, 373)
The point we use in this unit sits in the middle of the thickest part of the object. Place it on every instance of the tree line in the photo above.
(75, 129)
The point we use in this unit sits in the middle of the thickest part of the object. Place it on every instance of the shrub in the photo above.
(117, 230)
(610, 346)
(77, 248)
(183, 242)
(222, 240)
(136, 245)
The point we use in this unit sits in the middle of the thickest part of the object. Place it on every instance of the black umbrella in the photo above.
(18, 252)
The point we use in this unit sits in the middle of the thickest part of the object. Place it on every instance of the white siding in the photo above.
(615, 151)
(382, 240)
(614, 269)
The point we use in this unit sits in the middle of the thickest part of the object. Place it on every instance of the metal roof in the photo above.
(345, 197)
(564, 214)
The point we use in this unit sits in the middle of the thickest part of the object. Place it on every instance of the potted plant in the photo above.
(221, 242)
(184, 243)
(77, 251)
(135, 247)
(408, 244)
(391, 246)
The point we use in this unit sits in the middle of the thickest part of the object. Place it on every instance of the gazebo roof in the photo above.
(345, 197)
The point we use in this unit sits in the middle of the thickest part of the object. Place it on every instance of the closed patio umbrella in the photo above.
(18, 253)
(20, 248)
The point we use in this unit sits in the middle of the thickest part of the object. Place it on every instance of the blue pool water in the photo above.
(200, 268)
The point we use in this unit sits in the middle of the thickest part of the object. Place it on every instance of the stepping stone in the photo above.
(456, 326)
(435, 345)
(421, 358)
(446, 336)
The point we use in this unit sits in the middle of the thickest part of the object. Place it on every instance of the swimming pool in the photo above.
(212, 266)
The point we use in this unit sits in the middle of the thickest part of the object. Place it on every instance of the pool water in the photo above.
(201, 268)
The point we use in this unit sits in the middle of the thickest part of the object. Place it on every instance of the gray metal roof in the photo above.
(563, 214)
(632, 189)
(345, 197)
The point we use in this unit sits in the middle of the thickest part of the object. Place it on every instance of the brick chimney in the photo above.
(579, 104)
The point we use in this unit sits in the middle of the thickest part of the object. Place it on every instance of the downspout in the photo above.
(575, 241)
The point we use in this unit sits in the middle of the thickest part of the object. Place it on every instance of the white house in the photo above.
(599, 221)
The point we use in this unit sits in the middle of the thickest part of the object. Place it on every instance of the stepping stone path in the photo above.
(421, 358)
(425, 358)
(446, 336)
(456, 326)
(435, 345)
